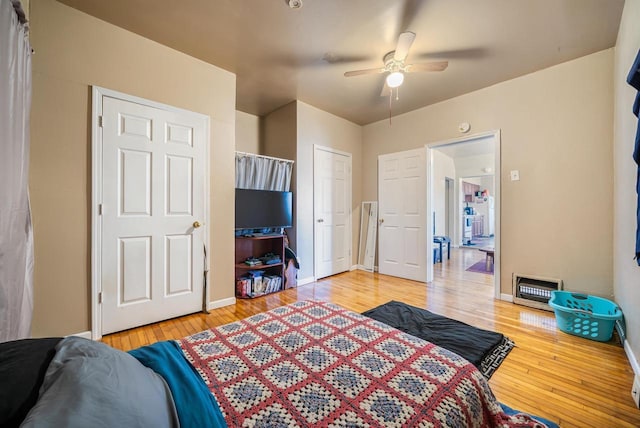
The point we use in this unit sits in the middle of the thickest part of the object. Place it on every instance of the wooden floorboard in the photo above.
(573, 381)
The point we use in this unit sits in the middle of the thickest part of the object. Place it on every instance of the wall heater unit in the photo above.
(534, 291)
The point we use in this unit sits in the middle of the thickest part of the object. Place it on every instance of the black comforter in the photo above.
(473, 344)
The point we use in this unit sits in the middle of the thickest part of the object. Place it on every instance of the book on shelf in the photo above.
(257, 285)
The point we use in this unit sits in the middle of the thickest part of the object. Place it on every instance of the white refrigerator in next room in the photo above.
(484, 206)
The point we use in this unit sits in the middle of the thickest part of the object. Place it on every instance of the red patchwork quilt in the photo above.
(317, 364)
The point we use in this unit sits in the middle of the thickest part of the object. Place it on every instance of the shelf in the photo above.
(256, 295)
(258, 246)
(257, 267)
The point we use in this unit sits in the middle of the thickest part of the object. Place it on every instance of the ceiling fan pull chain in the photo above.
(390, 99)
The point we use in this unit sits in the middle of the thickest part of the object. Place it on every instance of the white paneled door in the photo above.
(152, 213)
(332, 211)
(402, 220)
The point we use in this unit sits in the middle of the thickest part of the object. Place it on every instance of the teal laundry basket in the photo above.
(583, 315)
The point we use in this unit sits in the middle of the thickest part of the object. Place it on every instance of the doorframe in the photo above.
(317, 147)
(450, 206)
(97, 95)
(496, 134)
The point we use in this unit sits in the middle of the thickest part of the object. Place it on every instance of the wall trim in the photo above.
(84, 334)
(506, 297)
(632, 358)
(307, 280)
(221, 303)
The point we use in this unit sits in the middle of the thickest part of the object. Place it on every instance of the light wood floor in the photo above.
(573, 381)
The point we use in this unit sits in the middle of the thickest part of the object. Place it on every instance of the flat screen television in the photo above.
(261, 209)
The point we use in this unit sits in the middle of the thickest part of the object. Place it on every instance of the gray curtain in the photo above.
(16, 233)
(262, 172)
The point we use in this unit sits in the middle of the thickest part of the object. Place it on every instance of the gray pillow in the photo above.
(89, 384)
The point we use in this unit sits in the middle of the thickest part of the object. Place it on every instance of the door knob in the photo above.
(320, 220)
(381, 221)
(196, 224)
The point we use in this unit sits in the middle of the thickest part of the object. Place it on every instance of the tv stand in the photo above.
(256, 246)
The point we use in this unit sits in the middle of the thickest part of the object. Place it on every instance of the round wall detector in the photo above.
(295, 4)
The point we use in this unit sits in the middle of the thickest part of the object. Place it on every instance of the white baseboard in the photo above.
(632, 358)
(85, 334)
(220, 303)
(506, 297)
(304, 281)
(354, 267)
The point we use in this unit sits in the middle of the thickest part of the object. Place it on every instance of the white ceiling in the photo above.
(281, 54)
(476, 147)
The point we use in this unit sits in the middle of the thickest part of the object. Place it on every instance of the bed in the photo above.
(306, 364)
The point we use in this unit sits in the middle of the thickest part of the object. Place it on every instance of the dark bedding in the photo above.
(23, 364)
(479, 347)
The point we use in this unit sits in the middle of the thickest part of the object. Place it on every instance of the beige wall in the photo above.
(557, 130)
(290, 132)
(278, 137)
(75, 51)
(443, 167)
(247, 132)
(316, 126)
(626, 272)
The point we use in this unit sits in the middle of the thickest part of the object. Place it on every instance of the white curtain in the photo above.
(16, 235)
(262, 172)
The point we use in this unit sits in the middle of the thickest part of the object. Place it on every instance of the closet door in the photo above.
(332, 211)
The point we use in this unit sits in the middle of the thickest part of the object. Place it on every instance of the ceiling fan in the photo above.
(394, 64)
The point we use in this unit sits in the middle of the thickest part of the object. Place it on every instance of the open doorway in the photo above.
(463, 195)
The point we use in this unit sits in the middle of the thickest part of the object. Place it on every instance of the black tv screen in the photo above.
(258, 209)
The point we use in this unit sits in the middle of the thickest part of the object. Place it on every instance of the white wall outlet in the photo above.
(515, 175)
(635, 391)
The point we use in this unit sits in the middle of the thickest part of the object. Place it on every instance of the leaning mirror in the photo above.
(368, 228)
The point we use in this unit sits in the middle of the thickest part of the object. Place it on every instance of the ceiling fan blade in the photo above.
(366, 71)
(333, 58)
(428, 66)
(467, 53)
(405, 40)
(410, 13)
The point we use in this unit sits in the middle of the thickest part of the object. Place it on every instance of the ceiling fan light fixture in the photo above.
(395, 79)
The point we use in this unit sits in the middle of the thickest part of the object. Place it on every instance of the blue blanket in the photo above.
(196, 406)
(509, 411)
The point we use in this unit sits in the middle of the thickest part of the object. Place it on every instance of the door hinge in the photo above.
(100, 297)
(100, 209)
(100, 121)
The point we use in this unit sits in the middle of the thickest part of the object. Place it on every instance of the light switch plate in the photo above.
(515, 175)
